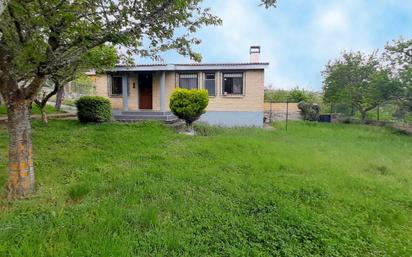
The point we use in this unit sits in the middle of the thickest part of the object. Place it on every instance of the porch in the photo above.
(141, 93)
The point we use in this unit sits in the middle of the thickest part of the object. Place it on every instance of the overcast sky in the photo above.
(300, 36)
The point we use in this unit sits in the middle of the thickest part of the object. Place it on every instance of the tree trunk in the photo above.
(21, 169)
(363, 116)
(43, 114)
(59, 98)
(1, 100)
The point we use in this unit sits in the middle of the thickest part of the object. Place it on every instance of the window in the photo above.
(188, 81)
(233, 83)
(117, 87)
(210, 84)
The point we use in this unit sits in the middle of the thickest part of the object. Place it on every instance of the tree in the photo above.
(399, 59)
(99, 58)
(357, 80)
(276, 96)
(189, 105)
(297, 95)
(41, 38)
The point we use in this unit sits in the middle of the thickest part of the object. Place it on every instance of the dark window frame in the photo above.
(112, 86)
(242, 93)
(191, 73)
(214, 82)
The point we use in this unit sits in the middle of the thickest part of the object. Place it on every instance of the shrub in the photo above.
(94, 109)
(188, 105)
(310, 111)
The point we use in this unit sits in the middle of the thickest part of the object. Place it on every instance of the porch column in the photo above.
(125, 81)
(162, 91)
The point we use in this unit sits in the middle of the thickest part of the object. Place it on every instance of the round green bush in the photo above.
(310, 111)
(94, 109)
(189, 105)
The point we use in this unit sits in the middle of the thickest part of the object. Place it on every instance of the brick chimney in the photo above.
(254, 54)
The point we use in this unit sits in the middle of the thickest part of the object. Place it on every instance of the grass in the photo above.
(35, 110)
(143, 190)
(69, 102)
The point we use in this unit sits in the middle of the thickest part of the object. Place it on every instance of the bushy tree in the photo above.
(358, 80)
(399, 57)
(294, 95)
(189, 105)
(276, 96)
(297, 95)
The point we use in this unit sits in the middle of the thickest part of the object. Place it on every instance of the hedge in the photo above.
(94, 109)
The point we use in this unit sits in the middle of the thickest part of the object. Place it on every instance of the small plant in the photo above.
(78, 191)
(94, 109)
(310, 111)
(189, 105)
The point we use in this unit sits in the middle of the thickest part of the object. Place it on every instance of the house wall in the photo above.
(246, 109)
(250, 101)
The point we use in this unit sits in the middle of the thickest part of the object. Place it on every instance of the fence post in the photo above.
(270, 112)
(287, 113)
(378, 112)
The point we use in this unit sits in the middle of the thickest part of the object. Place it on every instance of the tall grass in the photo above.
(144, 190)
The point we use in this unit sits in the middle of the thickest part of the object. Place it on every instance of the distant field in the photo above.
(143, 190)
(35, 110)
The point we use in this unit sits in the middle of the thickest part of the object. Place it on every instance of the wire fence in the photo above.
(382, 113)
(386, 114)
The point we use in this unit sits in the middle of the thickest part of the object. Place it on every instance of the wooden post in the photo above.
(270, 112)
(287, 113)
(378, 112)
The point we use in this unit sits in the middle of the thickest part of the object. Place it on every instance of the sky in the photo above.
(299, 36)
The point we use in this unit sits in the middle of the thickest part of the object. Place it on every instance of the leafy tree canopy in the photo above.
(358, 80)
(399, 58)
(294, 95)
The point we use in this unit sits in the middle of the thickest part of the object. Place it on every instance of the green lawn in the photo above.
(35, 110)
(143, 190)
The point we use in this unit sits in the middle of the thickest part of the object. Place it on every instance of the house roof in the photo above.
(192, 66)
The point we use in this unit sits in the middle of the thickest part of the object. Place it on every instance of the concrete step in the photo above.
(154, 113)
(144, 117)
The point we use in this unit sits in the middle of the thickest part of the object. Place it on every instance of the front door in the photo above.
(145, 91)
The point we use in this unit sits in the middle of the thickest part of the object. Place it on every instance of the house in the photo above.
(236, 90)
